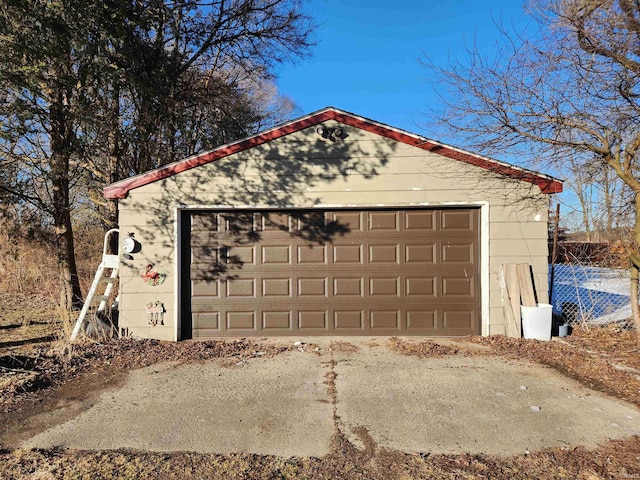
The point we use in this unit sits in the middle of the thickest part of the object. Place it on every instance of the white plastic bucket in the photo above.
(536, 321)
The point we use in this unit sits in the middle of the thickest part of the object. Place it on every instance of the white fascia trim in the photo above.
(331, 205)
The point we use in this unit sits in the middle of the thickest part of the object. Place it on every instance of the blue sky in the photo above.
(367, 57)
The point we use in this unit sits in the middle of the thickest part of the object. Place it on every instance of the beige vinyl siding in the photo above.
(303, 171)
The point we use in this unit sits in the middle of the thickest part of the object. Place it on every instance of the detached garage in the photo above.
(331, 224)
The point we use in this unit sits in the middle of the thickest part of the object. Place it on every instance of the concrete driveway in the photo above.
(292, 404)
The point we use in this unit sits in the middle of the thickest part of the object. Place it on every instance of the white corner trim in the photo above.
(485, 278)
(177, 278)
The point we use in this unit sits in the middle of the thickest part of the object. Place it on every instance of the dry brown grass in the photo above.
(344, 347)
(614, 460)
(28, 264)
(593, 371)
(422, 349)
(612, 342)
(30, 290)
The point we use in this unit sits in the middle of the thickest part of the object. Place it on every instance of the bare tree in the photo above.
(189, 76)
(599, 198)
(568, 88)
(101, 89)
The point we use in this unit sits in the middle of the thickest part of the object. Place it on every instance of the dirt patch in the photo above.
(592, 371)
(344, 347)
(61, 404)
(54, 367)
(614, 460)
(613, 343)
(423, 349)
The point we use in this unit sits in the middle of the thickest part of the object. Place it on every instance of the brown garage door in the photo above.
(343, 272)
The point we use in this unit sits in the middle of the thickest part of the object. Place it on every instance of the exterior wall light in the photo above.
(333, 134)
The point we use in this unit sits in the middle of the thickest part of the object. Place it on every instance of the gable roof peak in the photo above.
(546, 183)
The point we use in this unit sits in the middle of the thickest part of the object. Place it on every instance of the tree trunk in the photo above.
(114, 162)
(586, 209)
(608, 185)
(112, 204)
(71, 295)
(114, 156)
(635, 308)
(635, 271)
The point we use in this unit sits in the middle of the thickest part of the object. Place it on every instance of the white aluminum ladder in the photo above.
(103, 276)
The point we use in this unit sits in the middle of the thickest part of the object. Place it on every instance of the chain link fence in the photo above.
(584, 292)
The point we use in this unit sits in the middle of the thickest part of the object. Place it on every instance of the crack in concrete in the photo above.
(341, 441)
(330, 382)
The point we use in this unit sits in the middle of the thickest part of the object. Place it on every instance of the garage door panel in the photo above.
(458, 221)
(204, 222)
(458, 287)
(276, 255)
(310, 222)
(420, 253)
(241, 320)
(312, 287)
(384, 287)
(421, 221)
(312, 320)
(420, 287)
(458, 253)
(418, 320)
(207, 254)
(384, 319)
(348, 287)
(384, 221)
(241, 287)
(384, 254)
(206, 320)
(347, 320)
(458, 319)
(205, 288)
(274, 222)
(308, 255)
(347, 254)
(387, 272)
(276, 320)
(350, 221)
(276, 287)
(240, 255)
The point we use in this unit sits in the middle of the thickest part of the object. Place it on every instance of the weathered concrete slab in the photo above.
(471, 404)
(267, 406)
(281, 406)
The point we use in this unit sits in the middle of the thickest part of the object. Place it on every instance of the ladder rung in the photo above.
(101, 298)
(108, 280)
